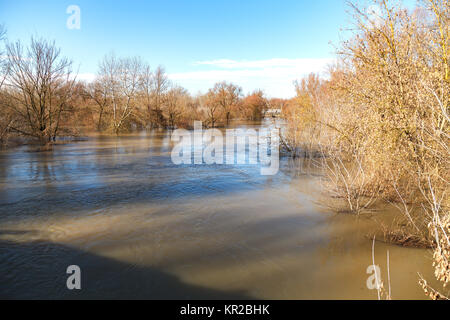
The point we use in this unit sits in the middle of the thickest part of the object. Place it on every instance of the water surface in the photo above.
(142, 227)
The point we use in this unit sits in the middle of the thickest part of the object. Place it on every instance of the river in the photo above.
(139, 226)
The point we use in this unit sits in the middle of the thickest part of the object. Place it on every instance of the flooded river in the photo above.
(139, 226)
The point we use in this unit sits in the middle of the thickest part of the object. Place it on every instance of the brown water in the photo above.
(142, 227)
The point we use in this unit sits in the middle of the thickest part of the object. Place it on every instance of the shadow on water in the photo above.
(101, 277)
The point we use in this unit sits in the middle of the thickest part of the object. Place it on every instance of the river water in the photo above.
(139, 226)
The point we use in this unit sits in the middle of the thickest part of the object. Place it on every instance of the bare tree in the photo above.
(121, 80)
(99, 93)
(6, 117)
(211, 107)
(161, 84)
(38, 87)
(227, 96)
(175, 103)
(3, 61)
(253, 105)
(146, 91)
(153, 89)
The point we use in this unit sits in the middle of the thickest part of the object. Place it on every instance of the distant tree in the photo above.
(121, 79)
(99, 93)
(80, 111)
(227, 96)
(6, 116)
(3, 61)
(254, 105)
(174, 104)
(211, 108)
(146, 92)
(161, 84)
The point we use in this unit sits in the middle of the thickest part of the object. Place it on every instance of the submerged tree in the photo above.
(160, 86)
(98, 92)
(6, 116)
(253, 106)
(120, 78)
(175, 104)
(38, 88)
(3, 62)
(227, 96)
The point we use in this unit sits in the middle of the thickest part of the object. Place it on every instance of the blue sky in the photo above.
(254, 43)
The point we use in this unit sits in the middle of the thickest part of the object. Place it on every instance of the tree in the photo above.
(254, 105)
(227, 96)
(99, 93)
(161, 84)
(174, 104)
(39, 86)
(3, 62)
(146, 92)
(121, 79)
(211, 107)
(6, 116)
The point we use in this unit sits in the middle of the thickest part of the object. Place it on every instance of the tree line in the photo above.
(41, 98)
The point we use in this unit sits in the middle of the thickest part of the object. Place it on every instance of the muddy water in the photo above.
(141, 227)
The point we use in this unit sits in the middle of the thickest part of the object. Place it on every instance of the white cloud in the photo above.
(88, 77)
(262, 64)
(274, 76)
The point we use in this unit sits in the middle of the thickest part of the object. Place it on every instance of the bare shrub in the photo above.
(383, 120)
(347, 179)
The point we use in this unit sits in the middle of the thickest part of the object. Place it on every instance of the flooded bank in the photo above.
(141, 227)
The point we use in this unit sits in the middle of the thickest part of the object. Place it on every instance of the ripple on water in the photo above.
(140, 226)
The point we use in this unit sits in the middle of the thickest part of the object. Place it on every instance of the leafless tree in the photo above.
(3, 61)
(175, 104)
(227, 96)
(161, 84)
(6, 117)
(99, 93)
(146, 91)
(121, 78)
(38, 87)
(211, 107)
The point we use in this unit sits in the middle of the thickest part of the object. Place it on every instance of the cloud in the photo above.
(274, 76)
(264, 64)
(88, 77)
